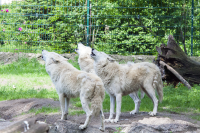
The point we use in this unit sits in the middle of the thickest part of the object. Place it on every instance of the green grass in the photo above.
(9, 93)
(122, 62)
(31, 81)
(75, 62)
(47, 110)
(195, 116)
(177, 100)
(24, 66)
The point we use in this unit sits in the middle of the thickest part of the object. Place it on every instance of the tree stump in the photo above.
(172, 55)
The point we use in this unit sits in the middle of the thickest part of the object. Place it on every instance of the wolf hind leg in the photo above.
(87, 110)
(141, 94)
(102, 127)
(137, 102)
(151, 93)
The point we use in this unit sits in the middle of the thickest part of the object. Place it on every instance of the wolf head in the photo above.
(101, 56)
(52, 57)
(83, 50)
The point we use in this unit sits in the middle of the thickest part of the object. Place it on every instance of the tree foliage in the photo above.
(116, 26)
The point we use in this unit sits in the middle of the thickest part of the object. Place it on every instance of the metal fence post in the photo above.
(88, 21)
(192, 17)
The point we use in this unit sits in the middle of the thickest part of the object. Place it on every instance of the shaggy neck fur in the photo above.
(111, 72)
(86, 63)
(106, 71)
(55, 74)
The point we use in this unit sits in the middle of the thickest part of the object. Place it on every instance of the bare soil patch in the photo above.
(13, 111)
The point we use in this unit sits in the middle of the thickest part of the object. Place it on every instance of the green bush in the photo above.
(122, 27)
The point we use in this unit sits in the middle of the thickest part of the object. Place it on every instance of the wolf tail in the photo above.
(158, 84)
(97, 100)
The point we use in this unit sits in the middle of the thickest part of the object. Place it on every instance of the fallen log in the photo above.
(173, 57)
(176, 74)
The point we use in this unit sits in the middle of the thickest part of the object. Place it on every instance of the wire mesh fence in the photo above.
(113, 26)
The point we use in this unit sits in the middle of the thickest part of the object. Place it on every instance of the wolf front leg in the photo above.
(64, 104)
(118, 108)
(112, 108)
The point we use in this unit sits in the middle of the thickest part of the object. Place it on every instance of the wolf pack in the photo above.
(101, 73)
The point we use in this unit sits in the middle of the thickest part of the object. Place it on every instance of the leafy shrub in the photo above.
(122, 27)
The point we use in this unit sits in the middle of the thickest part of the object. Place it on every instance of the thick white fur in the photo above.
(86, 64)
(120, 80)
(85, 61)
(71, 82)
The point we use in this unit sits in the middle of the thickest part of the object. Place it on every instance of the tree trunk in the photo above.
(174, 56)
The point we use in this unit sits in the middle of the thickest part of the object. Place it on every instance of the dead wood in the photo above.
(176, 74)
(172, 55)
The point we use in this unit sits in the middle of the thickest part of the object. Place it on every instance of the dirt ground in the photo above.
(13, 111)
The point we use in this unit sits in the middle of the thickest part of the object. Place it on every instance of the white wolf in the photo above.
(120, 80)
(71, 82)
(86, 63)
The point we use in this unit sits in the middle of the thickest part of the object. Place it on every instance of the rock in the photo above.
(7, 57)
(70, 56)
(2, 120)
(157, 125)
(30, 125)
(71, 127)
(164, 122)
(146, 125)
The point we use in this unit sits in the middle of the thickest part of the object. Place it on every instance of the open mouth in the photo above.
(92, 54)
(42, 57)
(76, 50)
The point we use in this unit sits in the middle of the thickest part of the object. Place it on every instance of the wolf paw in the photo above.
(64, 117)
(152, 113)
(81, 127)
(102, 129)
(115, 120)
(133, 112)
(111, 120)
(107, 120)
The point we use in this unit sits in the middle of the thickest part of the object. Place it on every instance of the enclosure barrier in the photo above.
(114, 26)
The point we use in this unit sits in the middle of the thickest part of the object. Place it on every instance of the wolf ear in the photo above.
(111, 59)
(80, 44)
(55, 60)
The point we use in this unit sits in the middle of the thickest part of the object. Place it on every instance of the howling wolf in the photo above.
(71, 82)
(120, 80)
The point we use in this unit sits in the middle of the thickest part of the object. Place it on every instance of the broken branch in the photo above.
(176, 74)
